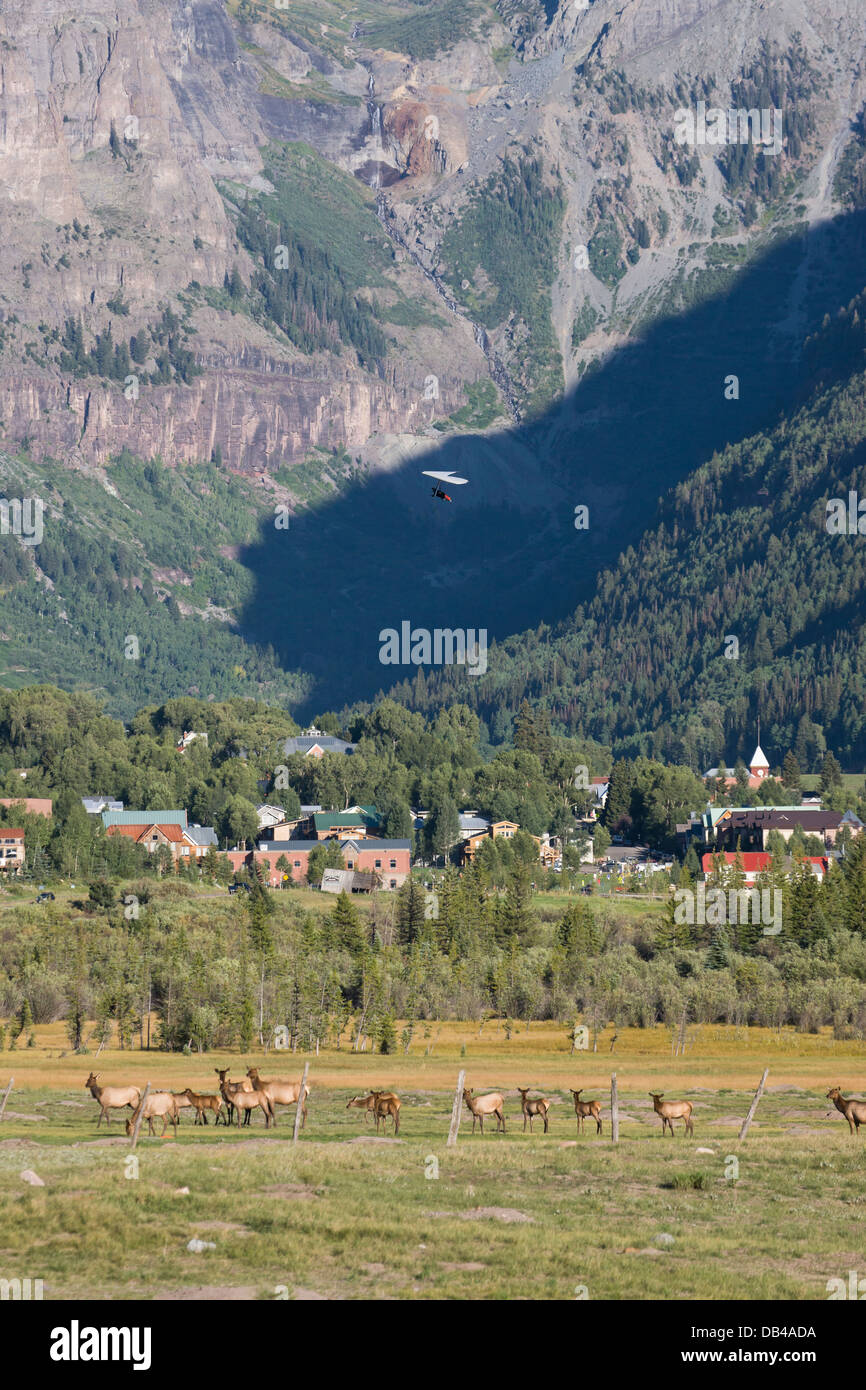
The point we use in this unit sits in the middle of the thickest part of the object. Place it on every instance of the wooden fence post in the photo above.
(6, 1094)
(614, 1110)
(455, 1111)
(140, 1115)
(300, 1101)
(299, 1108)
(753, 1107)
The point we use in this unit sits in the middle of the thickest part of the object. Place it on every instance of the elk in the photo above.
(281, 1093)
(853, 1110)
(385, 1104)
(671, 1110)
(366, 1103)
(202, 1104)
(157, 1103)
(533, 1108)
(246, 1097)
(182, 1102)
(485, 1105)
(582, 1108)
(111, 1097)
(228, 1089)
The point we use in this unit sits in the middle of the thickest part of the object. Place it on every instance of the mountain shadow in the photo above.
(506, 553)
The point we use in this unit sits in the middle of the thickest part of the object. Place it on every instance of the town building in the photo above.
(759, 770)
(29, 805)
(12, 856)
(753, 863)
(312, 743)
(389, 860)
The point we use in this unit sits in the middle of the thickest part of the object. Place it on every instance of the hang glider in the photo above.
(450, 478)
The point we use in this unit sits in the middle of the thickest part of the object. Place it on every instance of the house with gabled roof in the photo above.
(314, 744)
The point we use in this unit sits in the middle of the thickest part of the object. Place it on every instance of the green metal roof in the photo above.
(144, 818)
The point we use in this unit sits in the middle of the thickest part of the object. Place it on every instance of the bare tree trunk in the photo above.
(455, 1111)
(753, 1107)
(140, 1115)
(299, 1108)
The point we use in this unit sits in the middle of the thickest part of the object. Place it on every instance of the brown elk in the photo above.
(157, 1103)
(183, 1102)
(111, 1097)
(228, 1089)
(366, 1103)
(853, 1110)
(533, 1108)
(255, 1098)
(485, 1105)
(385, 1104)
(671, 1110)
(281, 1093)
(202, 1104)
(583, 1108)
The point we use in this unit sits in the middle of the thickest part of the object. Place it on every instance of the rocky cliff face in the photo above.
(132, 130)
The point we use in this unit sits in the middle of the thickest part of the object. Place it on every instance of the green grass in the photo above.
(368, 1221)
(482, 408)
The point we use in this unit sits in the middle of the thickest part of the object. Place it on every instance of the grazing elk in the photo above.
(583, 1108)
(281, 1093)
(228, 1089)
(671, 1110)
(157, 1103)
(385, 1104)
(485, 1105)
(366, 1103)
(202, 1104)
(853, 1110)
(111, 1097)
(533, 1108)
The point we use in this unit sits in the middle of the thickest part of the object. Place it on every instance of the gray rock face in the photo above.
(194, 98)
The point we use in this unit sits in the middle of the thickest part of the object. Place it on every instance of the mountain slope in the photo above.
(742, 600)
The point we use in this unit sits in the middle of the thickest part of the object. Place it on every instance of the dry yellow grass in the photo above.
(538, 1055)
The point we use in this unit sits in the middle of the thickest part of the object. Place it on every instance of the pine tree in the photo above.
(791, 774)
(718, 955)
(618, 803)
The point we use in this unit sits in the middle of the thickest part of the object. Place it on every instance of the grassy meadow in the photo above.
(521, 1216)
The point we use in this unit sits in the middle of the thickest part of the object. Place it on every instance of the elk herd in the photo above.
(241, 1098)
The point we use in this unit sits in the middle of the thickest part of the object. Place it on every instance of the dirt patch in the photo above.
(287, 1190)
(374, 1269)
(372, 1139)
(510, 1215)
(461, 1267)
(19, 1115)
(101, 1143)
(211, 1293)
(235, 1226)
(19, 1144)
(309, 1296)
